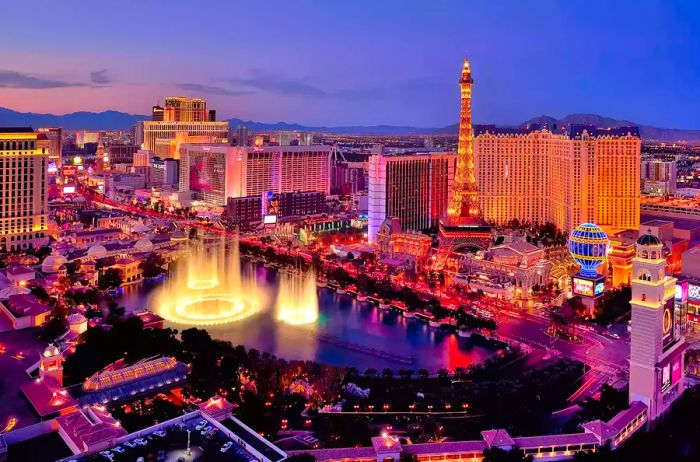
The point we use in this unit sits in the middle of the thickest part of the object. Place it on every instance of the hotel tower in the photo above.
(23, 183)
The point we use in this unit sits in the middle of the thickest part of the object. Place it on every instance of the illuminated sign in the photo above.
(77, 160)
(52, 167)
(665, 377)
(599, 288)
(583, 287)
(270, 219)
(69, 189)
(676, 370)
(681, 291)
(69, 171)
(693, 292)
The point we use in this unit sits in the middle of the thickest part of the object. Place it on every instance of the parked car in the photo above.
(226, 446)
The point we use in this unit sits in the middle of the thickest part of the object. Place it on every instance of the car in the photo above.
(130, 444)
(107, 455)
(141, 441)
(201, 424)
(226, 446)
(205, 430)
(160, 433)
(615, 336)
(118, 449)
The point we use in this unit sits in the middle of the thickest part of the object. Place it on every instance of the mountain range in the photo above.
(122, 120)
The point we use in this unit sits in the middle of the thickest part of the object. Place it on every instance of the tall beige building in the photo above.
(181, 116)
(537, 176)
(23, 184)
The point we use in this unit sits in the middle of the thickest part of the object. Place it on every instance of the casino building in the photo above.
(23, 178)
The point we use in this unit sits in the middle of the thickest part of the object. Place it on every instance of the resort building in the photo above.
(595, 435)
(214, 173)
(538, 175)
(658, 177)
(24, 205)
(414, 188)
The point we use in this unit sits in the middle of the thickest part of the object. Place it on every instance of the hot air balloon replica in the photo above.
(588, 246)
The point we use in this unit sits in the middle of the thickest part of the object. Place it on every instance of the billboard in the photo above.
(52, 167)
(665, 377)
(583, 287)
(693, 292)
(676, 370)
(69, 171)
(270, 219)
(599, 288)
(69, 189)
(681, 291)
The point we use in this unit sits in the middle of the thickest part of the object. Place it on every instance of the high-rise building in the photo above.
(415, 188)
(55, 137)
(658, 177)
(121, 153)
(657, 346)
(242, 136)
(462, 224)
(180, 116)
(536, 175)
(181, 109)
(84, 137)
(214, 173)
(23, 188)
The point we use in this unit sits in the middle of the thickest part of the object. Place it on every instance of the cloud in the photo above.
(100, 77)
(12, 79)
(211, 90)
(301, 87)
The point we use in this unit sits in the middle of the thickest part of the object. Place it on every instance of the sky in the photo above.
(359, 62)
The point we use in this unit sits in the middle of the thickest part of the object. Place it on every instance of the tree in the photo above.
(152, 265)
(350, 256)
(109, 279)
(371, 372)
(387, 373)
(423, 373)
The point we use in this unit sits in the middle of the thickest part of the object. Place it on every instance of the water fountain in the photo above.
(207, 288)
(297, 300)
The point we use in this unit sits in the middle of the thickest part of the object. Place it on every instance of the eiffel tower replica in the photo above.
(463, 226)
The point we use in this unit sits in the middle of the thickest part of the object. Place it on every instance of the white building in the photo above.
(657, 346)
(658, 177)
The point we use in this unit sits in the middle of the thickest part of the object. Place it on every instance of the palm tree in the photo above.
(423, 373)
(387, 373)
(371, 372)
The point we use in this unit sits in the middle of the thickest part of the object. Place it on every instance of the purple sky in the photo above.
(339, 62)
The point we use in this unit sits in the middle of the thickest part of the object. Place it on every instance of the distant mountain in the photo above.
(647, 132)
(121, 120)
(74, 121)
(349, 130)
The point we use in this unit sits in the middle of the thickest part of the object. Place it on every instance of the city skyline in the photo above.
(358, 68)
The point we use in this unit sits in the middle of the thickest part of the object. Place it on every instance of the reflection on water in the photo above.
(347, 332)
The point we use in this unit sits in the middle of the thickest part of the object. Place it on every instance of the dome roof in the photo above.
(648, 239)
(140, 227)
(51, 350)
(143, 245)
(76, 318)
(97, 251)
(53, 263)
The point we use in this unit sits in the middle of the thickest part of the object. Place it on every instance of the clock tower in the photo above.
(656, 351)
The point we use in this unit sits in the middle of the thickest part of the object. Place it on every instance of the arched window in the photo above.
(645, 254)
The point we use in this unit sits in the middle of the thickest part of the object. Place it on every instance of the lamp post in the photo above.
(189, 452)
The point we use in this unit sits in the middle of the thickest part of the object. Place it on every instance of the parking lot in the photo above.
(169, 444)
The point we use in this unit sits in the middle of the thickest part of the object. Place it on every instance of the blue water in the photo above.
(342, 321)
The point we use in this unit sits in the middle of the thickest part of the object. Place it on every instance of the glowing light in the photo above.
(297, 300)
(207, 289)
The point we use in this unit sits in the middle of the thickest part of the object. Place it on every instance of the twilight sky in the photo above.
(364, 62)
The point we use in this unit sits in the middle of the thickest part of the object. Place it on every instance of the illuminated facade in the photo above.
(55, 147)
(657, 346)
(160, 132)
(181, 109)
(659, 177)
(415, 188)
(462, 223)
(535, 176)
(23, 181)
(214, 173)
